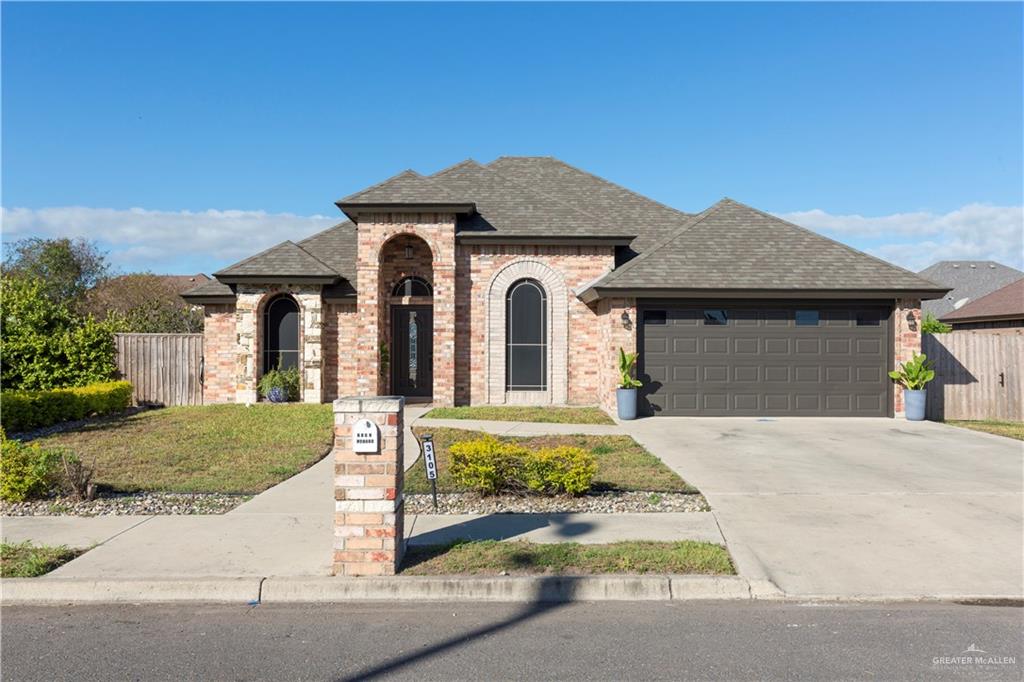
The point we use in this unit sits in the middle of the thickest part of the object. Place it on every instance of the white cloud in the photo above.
(916, 240)
(165, 241)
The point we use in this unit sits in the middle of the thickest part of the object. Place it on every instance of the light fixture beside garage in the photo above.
(626, 322)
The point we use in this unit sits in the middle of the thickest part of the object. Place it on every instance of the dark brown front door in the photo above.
(412, 359)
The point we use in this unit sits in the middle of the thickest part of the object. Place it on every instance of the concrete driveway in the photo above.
(857, 507)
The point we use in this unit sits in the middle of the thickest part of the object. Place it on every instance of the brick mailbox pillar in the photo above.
(368, 514)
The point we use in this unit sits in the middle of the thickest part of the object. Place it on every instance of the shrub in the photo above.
(285, 379)
(26, 471)
(930, 325)
(24, 410)
(490, 466)
(562, 469)
(487, 465)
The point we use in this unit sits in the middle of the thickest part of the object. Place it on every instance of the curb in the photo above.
(325, 589)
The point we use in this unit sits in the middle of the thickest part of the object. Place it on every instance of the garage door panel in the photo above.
(717, 359)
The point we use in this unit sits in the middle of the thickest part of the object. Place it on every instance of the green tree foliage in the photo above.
(65, 268)
(930, 325)
(144, 303)
(44, 343)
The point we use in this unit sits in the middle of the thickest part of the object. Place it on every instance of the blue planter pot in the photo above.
(625, 401)
(913, 404)
(277, 395)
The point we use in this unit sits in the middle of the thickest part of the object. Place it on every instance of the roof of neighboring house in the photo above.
(1004, 303)
(543, 200)
(731, 246)
(208, 291)
(968, 281)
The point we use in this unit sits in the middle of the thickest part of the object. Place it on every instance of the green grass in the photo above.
(999, 428)
(490, 557)
(547, 415)
(207, 449)
(622, 463)
(25, 560)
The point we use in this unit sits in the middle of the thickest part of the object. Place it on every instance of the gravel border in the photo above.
(599, 503)
(118, 504)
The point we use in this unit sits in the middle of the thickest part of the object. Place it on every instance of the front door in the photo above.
(412, 361)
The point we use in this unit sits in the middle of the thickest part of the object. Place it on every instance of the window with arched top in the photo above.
(412, 286)
(526, 337)
(280, 334)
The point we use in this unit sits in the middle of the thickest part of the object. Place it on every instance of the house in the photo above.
(1002, 309)
(516, 282)
(968, 280)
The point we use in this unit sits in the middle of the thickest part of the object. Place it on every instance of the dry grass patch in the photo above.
(503, 413)
(519, 557)
(202, 449)
(999, 428)
(622, 463)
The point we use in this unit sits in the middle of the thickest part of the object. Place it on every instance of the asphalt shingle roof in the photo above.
(1005, 302)
(408, 187)
(284, 260)
(968, 279)
(335, 247)
(733, 246)
(209, 288)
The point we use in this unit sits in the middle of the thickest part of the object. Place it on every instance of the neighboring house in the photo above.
(968, 280)
(516, 282)
(1001, 309)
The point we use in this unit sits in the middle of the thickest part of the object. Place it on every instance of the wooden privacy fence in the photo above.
(165, 369)
(977, 375)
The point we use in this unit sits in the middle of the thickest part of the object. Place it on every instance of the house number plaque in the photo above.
(365, 437)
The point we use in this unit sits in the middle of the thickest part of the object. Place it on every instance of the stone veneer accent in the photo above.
(437, 230)
(219, 353)
(906, 340)
(249, 302)
(368, 509)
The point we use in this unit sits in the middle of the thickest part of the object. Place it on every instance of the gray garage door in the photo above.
(724, 359)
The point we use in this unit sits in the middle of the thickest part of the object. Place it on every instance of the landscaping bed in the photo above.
(519, 557)
(503, 413)
(25, 560)
(999, 428)
(186, 460)
(628, 479)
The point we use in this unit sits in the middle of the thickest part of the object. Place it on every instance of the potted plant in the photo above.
(913, 376)
(625, 395)
(280, 385)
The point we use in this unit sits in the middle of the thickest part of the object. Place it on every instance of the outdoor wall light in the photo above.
(408, 252)
(626, 322)
(911, 321)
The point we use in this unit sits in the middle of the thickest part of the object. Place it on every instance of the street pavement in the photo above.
(582, 641)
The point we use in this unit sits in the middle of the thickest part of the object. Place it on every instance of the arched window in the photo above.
(527, 337)
(412, 286)
(280, 334)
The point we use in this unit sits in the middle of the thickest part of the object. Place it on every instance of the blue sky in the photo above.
(186, 136)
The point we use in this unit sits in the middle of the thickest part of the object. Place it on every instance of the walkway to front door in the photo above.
(412, 361)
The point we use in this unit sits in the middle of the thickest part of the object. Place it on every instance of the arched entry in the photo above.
(407, 272)
(280, 334)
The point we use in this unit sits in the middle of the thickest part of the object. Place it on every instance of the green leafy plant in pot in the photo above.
(280, 385)
(913, 376)
(626, 394)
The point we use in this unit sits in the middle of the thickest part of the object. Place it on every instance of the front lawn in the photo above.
(501, 413)
(202, 449)
(25, 560)
(519, 557)
(622, 463)
(999, 428)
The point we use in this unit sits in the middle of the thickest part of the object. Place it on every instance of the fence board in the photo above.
(164, 368)
(977, 375)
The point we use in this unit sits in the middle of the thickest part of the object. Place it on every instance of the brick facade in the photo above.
(219, 354)
(906, 339)
(339, 338)
(615, 333)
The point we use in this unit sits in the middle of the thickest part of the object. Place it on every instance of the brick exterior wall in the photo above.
(477, 267)
(615, 334)
(339, 338)
(907, 340)
(219, 354)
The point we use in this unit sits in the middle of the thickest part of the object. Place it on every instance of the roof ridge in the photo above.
(604, 180)
(693, 221)
(299, 247)
(268, 250)
(326, 229)
(530, 188)
(959, 312)
(833, 241)
(408, 171)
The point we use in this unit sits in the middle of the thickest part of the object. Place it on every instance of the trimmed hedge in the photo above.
(24, 410)
(490, 466)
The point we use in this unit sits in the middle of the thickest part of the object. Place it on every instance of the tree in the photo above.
(930, 325)
(144, 303)
(45, 344)
(65, 268)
